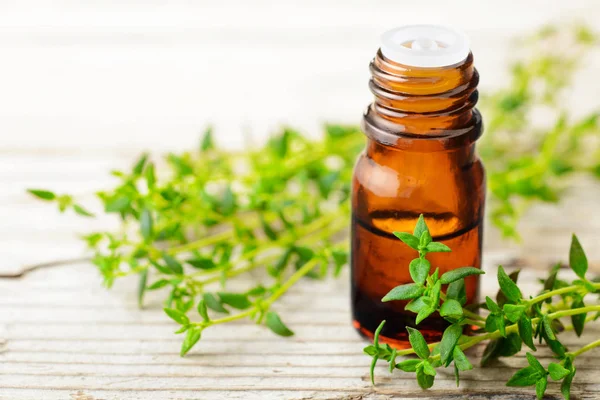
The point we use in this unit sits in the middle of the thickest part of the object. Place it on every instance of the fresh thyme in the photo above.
(511, 321)
(217, 215)
(210, 216)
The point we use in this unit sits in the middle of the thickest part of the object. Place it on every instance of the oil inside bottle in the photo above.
(384, 249)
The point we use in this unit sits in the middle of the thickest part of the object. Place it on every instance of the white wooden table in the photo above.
(86, 87)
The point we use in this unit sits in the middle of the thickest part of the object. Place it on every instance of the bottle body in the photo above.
(420, 159)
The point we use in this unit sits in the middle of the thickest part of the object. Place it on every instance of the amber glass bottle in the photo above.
(420, 159)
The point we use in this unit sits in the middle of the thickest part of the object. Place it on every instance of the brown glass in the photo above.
(420, 159)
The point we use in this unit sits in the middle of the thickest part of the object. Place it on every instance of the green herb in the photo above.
(529, 162)
(211, 216)
(519, 320)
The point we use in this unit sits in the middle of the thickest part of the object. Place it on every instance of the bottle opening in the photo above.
(427, 46)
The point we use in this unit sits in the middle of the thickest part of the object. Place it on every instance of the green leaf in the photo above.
(340, 258)
(268, 230)
(191, 338)
(459, 273)
(510, 345)
(42, 194)
(280, 265)
(578, 320)
(140, 164)
(409, 365)
(437, 247)
(235, 300)
(427, 368)
(424, 240)
(424, 313)
(460, 359)
(150, 176)
(228, 202)
(524, 377)
(513, 312)
(419, 270)
(146, 224)
(556, 346)
(258, 290)
(173, 264)
(275, 324)
(577, 258)
(158, 284)
(492, 306)
(180, 164)
(500, 297)
(161, 268)
(495, 323)
(508, 287)
(64, 202)
(425, 381)
(182, 329)
(214, 304)
(142, 287)
(449, 340)
(418, 343)
(451, 308)
(547, 325)
(177, 316)
(408, 239)
(203, 310)
(436, 291)
(117, 205)
(420, 227)
(418, 304)
(535, 363)
(456, 290)
(82, 211)
(305, 254)
(371, 350)
(540, 387)
(201, 263)
(557, 371)
(526, 331)
(404, 292)
(207, 142)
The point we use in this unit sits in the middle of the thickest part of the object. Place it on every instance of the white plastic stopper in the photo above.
(425, 45)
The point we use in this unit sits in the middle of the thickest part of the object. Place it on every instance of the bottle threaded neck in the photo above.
(419, 102)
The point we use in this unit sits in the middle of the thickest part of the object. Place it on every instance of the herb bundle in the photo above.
(217, 215)
(210, 216)
(511, 321)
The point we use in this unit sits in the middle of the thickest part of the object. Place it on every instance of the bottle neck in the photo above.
(423, 108)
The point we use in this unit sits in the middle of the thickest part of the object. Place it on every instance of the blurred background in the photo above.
(86, 86)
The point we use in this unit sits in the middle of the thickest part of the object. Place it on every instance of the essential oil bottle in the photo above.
(419, 159)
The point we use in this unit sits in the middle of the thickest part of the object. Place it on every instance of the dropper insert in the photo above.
(427, 46)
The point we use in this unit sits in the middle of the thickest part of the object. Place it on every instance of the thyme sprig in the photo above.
(217, 215)
(511, 321)
(210, 216)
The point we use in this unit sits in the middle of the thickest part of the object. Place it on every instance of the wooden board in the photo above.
(63, 336)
